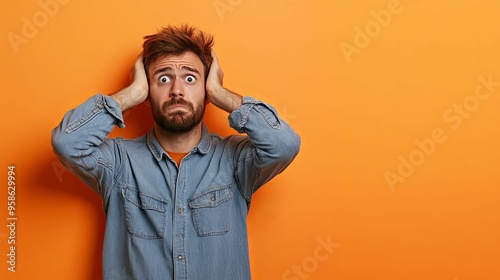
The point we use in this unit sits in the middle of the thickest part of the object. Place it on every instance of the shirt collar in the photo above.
(154, 145)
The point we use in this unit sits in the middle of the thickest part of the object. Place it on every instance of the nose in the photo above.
(176, 90)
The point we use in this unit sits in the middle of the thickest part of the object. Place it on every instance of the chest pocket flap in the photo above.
(212, 210)
(145, 215)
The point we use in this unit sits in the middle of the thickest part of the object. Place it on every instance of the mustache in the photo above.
(177, 101)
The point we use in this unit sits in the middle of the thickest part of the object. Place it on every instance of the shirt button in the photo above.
(179, 210)
(179, 257)
(212, 198)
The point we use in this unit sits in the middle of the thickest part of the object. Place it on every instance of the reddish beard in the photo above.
(180, 120)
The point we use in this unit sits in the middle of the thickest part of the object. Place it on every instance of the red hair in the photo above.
(174, 40)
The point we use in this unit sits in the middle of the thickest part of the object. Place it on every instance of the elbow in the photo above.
(284, 153)
(55, 141)
(288, 148)
(293, 146)
(59, 144)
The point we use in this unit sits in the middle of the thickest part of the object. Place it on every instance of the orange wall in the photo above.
(397, 103)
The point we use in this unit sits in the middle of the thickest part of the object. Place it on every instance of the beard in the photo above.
(178, 121)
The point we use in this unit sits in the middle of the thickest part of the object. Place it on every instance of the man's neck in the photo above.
(178, 142)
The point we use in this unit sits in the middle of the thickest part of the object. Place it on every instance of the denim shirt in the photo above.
(165, 221)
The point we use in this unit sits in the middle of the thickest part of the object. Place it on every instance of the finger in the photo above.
(138, 65)
(140, 59)
(216, 64)
(214, 56)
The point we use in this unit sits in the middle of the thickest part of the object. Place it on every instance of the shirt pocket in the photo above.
(145, 215)
(211, 211)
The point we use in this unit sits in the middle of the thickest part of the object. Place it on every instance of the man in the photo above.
(175, 199)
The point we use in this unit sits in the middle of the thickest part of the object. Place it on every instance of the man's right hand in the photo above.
(138, 89)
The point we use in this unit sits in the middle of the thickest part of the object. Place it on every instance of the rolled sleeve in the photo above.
(272, 147)
(80, 140)
(239, 117)
(90, 109)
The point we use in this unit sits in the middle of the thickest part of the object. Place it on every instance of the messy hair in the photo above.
(176, 40)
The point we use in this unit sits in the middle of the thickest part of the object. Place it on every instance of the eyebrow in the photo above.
(161, 70)
(169, 69)
(194, 70)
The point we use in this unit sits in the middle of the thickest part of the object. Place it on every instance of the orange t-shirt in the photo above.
(177, 157)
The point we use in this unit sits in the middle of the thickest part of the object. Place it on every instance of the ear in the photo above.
(207, 101)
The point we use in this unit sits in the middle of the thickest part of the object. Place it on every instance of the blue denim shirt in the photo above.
(165, 221)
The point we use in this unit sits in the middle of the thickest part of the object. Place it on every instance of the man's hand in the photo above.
(216, 93)
(138, 89)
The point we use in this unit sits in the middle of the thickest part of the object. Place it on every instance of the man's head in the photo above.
(177, 61)
(174, 40)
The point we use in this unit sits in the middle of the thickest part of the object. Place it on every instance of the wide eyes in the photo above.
(164, 79)
(190, 79)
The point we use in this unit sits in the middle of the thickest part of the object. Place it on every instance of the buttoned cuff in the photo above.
(114, 109)
(239, 117)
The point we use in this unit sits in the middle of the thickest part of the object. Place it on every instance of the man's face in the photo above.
(177, 91)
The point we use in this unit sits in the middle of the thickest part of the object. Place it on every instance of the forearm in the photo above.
(129, 97)
(225, 99)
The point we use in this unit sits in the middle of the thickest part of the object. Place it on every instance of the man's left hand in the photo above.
(216, 93)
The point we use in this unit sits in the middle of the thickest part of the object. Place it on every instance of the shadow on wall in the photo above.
(57, 196)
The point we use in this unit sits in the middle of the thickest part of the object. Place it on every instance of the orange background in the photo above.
(366, 85)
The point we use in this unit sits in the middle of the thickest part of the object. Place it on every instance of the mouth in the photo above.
(177, 108)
